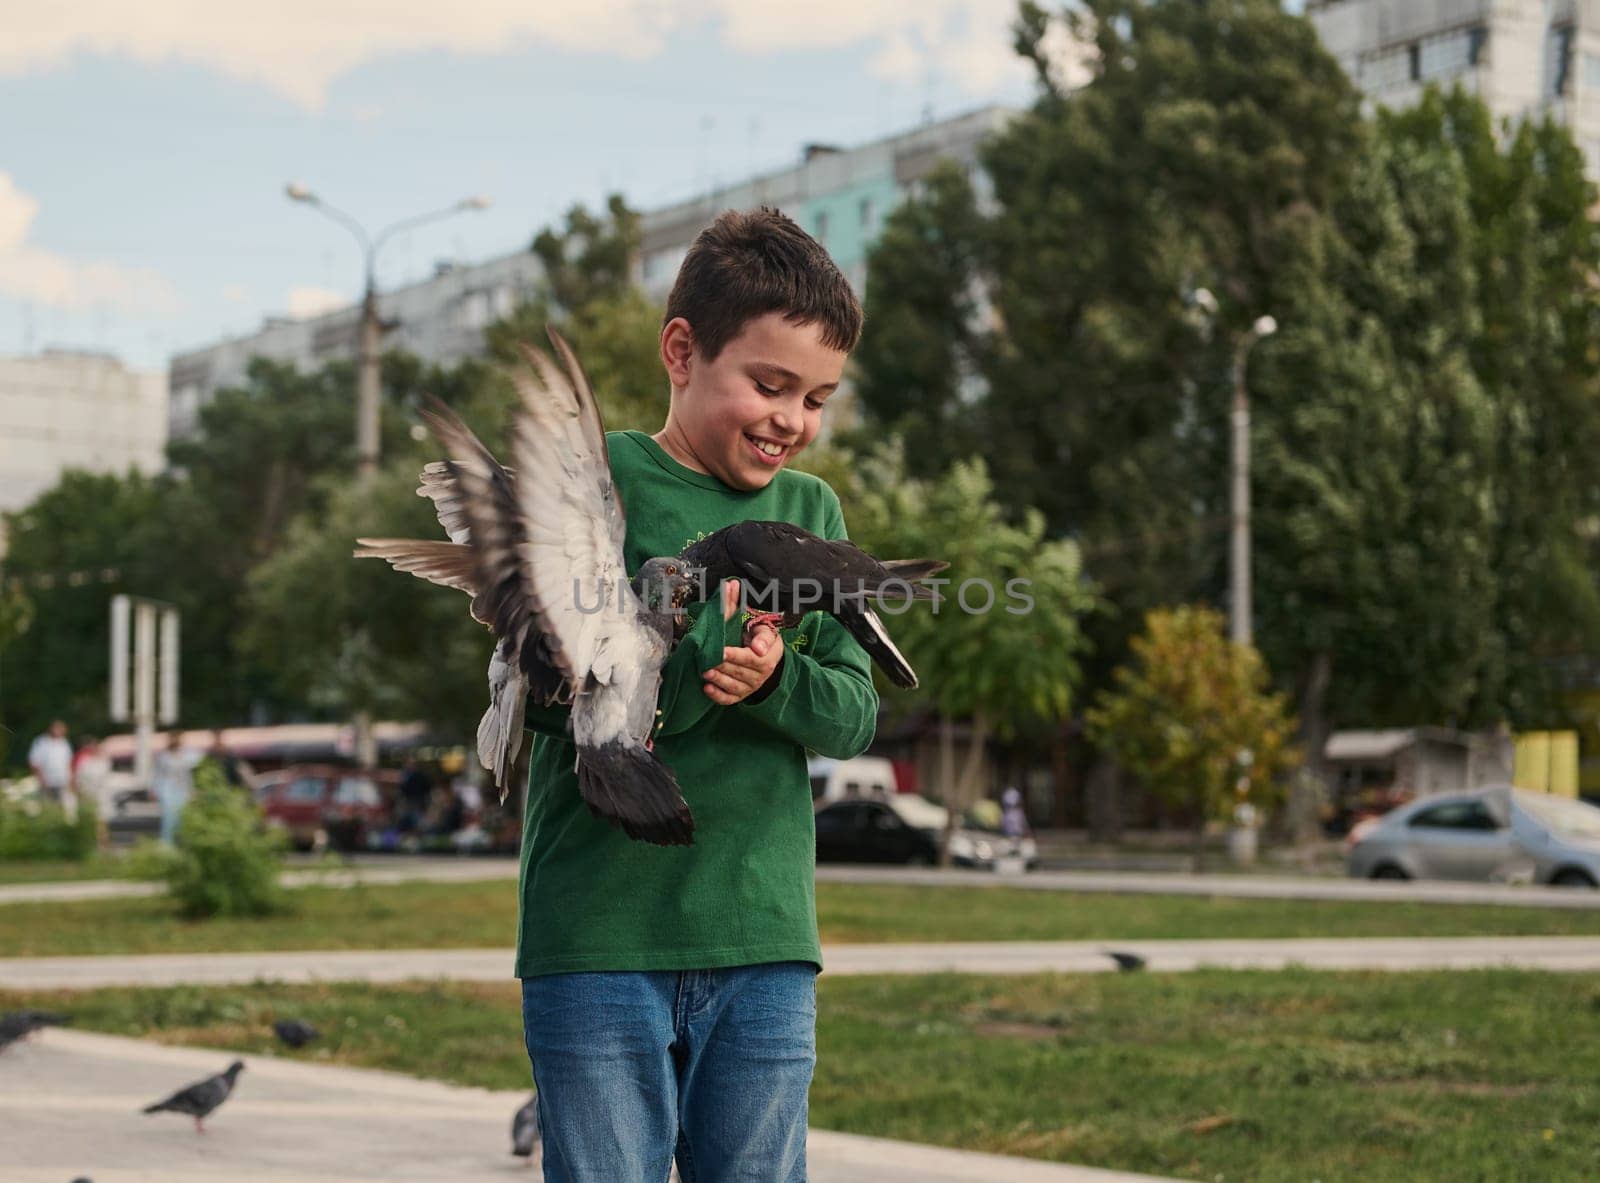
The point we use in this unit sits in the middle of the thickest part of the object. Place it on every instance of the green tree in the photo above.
(1423, 519)
(343, 635)
(1001, 649)
(589, 294)
(1191, 715)
(1534, 250)
(69, 551)
(921, 351)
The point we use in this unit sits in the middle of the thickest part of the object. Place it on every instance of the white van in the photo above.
(869, 778)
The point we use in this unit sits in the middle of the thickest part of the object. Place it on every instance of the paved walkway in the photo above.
(71, 1101)
(1282, 887)
(1001, 957)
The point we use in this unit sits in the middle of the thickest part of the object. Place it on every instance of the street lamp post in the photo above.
(1239, 614)
(1240, 628)
(371, 326)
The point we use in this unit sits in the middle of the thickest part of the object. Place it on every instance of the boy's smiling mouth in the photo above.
(767, 451)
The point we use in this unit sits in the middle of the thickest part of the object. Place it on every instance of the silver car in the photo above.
(1502, 834)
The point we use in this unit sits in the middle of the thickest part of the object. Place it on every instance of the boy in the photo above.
(669, 993)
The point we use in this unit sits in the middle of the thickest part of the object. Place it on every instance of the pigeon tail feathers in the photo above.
(628, 786)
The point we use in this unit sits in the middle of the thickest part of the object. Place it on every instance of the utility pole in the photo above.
(367, 385)
(371, 331)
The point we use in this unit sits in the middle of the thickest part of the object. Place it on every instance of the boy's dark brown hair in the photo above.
(749, 263)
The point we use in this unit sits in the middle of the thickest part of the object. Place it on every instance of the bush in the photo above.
(226, 862)
(36, 829)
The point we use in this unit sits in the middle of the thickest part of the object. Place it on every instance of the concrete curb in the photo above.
(1562, 954)
(1269, 887)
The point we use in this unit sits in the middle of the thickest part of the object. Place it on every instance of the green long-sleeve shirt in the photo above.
(744, 893)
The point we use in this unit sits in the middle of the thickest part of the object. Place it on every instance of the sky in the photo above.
(145, 148)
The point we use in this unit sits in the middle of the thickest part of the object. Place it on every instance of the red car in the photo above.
(326, 805)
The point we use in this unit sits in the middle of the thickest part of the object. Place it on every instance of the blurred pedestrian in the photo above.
(50, 758)
(416, 787)
(173, 782)
(91, 776)
(1013, 821)
(230, 765)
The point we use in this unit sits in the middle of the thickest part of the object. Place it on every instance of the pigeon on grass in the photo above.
(525, 1129)
(295, 1032)
(543, 561)
(19, 1024)
(790, 571)
(199, 1099)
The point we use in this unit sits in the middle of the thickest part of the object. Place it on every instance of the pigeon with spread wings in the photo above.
(542, 558)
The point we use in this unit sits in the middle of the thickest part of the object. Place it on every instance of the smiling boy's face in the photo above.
(745, 414)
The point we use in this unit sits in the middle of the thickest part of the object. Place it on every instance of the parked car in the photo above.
(908, 829)
(326, 805)
(1497, 834)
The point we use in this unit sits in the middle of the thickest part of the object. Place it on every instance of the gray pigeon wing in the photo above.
(595, 627)
(573, 551)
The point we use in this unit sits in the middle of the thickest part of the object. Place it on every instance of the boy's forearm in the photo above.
(825, 703)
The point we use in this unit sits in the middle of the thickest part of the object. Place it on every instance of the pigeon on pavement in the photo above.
(1126, 962)
(295, 1032)
(525, 1130)
(199, 1099)
(790, 571)
(543, 561)
(19, 1024)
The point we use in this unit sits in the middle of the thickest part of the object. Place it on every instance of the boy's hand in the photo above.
(743, 670)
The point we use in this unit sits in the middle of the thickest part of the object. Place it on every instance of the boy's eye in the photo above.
(764, 388)
(814, 403)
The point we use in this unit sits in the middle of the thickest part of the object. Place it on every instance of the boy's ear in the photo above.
(677, 350)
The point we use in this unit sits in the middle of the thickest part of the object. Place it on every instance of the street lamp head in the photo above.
(1202, 299)
(1265, 326)
(298, 192)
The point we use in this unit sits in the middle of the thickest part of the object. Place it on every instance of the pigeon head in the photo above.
(234, 1069)
(666, 585)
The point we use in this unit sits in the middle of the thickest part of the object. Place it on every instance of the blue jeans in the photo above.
(711, 1066)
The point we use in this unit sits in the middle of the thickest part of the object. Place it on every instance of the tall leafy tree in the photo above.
(1001, 650)
(73, 548)
(589, 294)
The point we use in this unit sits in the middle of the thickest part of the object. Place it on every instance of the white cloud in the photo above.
(29, 272)
(298, 47)
(306, 302)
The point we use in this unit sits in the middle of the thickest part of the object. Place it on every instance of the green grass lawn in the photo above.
(482, 915)
(60, 870)
(1289, 1076)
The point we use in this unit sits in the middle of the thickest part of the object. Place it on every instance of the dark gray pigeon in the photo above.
(199, 1099)
(19, 1024)
(785, 572)
(537, 556)
(1126, 962)
(295, 1032)
(525, 1130)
